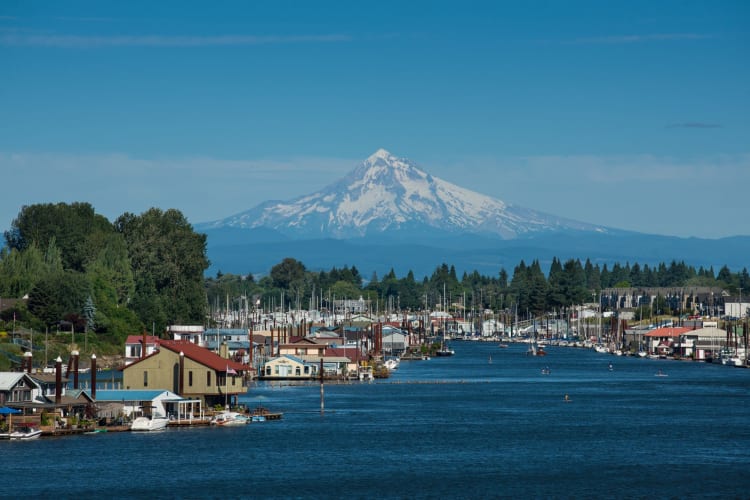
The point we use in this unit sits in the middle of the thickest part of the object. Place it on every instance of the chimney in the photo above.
(224, 350)
(93, 377)
(27, 361)
(74, 361)
(143, 347)
(58, 380)
(181, 384)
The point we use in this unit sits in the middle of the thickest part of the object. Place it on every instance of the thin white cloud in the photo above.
(78, 41)
(652, 37)
(694, 125)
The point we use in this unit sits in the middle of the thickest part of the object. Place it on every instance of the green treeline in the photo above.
(112, 279)
(529, 289)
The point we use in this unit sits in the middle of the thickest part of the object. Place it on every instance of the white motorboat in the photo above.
(152, 423)
(229, 418)
(392, 364)
(25, 433)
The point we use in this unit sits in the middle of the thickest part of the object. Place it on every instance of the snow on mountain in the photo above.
(385, 193)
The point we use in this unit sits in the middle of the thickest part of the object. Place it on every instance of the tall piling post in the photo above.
(93, 377)
(322, 391)
(58, 380)
(74, 361)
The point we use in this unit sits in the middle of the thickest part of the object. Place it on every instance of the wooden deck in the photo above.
(189, 423)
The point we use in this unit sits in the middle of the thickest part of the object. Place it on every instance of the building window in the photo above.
(296, 371)
(190, 378)
(208, 379)
(145, 379)
(307, 370)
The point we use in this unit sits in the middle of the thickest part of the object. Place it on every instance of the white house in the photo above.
(286, 367)
(191, 333)
(128, 403)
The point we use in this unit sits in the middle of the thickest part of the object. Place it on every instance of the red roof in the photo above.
(202, 355)
(199, 354)
(352, 353)
(668, 331)
(137, 339)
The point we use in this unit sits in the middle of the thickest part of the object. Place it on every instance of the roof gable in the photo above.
(202, 355)
(8, 380)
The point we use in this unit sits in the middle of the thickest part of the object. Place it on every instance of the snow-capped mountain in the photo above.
(386, 194)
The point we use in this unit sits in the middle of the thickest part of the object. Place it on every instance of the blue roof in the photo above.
(226, 331)
(129, 395)
(231, 344)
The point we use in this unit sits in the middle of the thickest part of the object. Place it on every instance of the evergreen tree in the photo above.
(89, 314)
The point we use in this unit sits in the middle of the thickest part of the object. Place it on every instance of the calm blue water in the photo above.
(458, 427)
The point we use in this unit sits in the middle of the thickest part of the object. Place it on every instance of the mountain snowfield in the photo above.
(390, 194)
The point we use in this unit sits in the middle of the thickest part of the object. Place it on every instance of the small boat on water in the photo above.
(444, 351)
(149, 423)
(229, 419)
(392, 364)
(25, 433)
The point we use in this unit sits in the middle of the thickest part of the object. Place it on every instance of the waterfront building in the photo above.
(191, 333)
(288, 367)
(189, 370)
(394, 342)
(19, 387)
(115, 404)
(702, 343)
(662, 341)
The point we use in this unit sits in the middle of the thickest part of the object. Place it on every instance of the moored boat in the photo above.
(392, 364)
(152, 423)
(25, 433)
(445, 351)
(229, 419)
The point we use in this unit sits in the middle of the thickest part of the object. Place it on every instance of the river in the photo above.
(485, 423)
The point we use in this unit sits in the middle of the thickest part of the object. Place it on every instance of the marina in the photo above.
(486, 429)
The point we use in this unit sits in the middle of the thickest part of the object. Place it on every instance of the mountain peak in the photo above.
(380, 154)
(386, 193)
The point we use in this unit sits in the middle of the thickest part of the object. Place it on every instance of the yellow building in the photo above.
(191, 371)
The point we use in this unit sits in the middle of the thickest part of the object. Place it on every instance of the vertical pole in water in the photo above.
(93, 376)
(322, 391)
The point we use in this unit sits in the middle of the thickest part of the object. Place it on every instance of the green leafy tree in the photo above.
(69, 226)
(57, 296)
(168, 261)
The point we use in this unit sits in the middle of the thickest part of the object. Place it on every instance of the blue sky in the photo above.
(629, 114)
